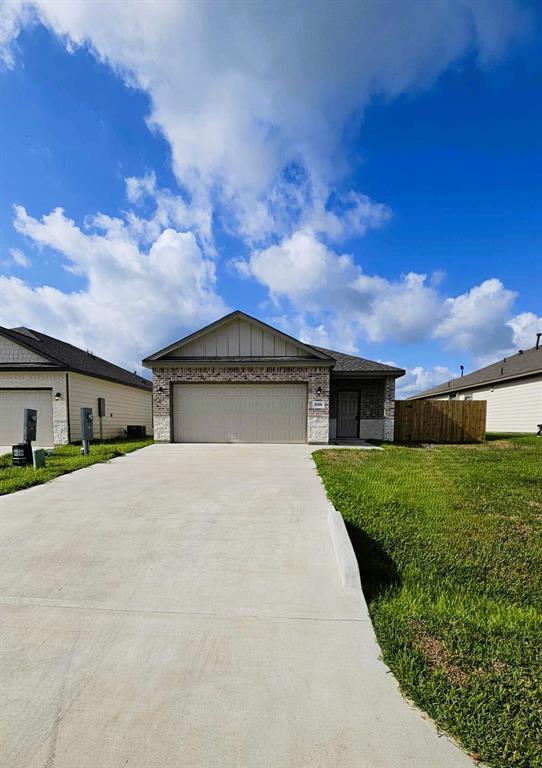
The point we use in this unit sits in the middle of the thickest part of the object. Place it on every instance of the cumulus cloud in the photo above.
(259, 88)
(419, 379)
(255, 100)
(475, 321)
(327, 289)
(135, 298)
(524, 327)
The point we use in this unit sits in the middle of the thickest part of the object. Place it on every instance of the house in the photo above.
(512, 388)
(57, 380)
(240, 380)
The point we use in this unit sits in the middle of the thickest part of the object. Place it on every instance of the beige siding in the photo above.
(511, 406)
(10, 352)
(123, 405)
(239, 338)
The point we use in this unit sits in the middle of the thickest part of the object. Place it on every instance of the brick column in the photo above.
(318, 418)
(161, 404)
(389, 408)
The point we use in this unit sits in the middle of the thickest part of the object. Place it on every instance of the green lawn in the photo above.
(449, 542)
(66, 458)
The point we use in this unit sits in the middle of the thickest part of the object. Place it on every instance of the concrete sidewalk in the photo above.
(181, 607)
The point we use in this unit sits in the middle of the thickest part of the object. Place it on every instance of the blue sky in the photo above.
(362, 192)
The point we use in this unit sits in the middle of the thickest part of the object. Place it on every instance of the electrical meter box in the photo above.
(30, 423)
(86, 424)
(101, 406)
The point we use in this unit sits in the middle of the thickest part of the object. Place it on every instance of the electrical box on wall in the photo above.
(101, 406)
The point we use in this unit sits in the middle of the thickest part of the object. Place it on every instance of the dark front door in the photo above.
(347, 414)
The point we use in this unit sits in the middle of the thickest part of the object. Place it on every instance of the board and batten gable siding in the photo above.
(238, 338)
(513, 406)
(10, 352)
(123, 405)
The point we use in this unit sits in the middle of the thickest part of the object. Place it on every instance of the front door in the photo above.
(347, 414)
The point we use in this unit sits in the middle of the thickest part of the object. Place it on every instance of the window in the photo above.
(467, 397)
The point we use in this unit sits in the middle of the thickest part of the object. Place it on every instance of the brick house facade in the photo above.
(239, 349)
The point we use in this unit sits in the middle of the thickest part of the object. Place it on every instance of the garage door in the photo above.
(245, 413)
(12, 405)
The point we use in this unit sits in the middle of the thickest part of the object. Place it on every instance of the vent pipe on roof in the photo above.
(538, 335)
(462, 367)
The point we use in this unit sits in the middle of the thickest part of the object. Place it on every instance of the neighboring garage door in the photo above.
(245, 413)
(12, 405)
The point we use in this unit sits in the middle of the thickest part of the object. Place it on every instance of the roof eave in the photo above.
(396, 374)
(232, 362)
(487, 383)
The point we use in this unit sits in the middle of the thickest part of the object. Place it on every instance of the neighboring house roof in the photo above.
(352, 364)
(337, 361)
(522, 364)
(63, 356)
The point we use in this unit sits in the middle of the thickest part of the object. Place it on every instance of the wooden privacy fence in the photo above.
(440, 421)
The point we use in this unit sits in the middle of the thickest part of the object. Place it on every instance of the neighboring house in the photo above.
(512, 388)
(239, 380)
(57, 380)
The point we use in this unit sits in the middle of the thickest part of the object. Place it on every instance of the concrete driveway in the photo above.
(182, 607)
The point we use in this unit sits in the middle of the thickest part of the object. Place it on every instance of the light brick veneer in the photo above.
(313, 376)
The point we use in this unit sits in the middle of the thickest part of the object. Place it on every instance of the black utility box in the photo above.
(21, 455)
(136, 431)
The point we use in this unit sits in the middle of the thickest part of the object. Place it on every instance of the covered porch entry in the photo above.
(361, 407)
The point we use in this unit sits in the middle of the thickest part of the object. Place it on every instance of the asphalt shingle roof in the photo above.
(351, 364)
(68, 357)
(518, 365)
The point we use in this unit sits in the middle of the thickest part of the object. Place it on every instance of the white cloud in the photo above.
(419, 379)
(524, 327)
(326, 289)
(19, 258)
(476, 320)
(135, 299)
(247, 92)
(255, 100)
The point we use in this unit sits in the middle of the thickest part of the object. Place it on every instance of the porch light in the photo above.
(318, 391)
(58, 395)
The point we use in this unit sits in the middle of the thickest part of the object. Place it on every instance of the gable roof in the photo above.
(527, 363)
(237, 314)
(337, 361)
(65, 357)
(352, 364)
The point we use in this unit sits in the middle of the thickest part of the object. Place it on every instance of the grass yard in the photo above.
(66, 458)
(449, 543)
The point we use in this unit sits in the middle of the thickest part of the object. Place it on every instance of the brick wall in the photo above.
(372, 396)
(313, 376)
(377, 404)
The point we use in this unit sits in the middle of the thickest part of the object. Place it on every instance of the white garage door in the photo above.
(245, 413)
(12, 405)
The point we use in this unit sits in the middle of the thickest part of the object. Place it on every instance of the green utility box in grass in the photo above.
(38, 458)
